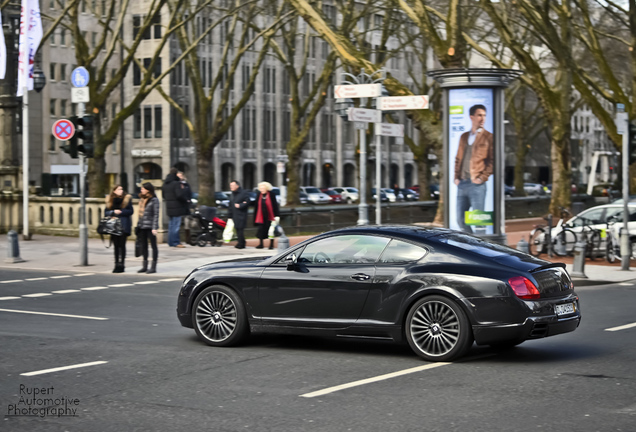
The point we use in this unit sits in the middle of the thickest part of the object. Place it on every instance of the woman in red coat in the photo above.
(266, 212)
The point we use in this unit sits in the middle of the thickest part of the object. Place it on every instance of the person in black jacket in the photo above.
(266, 212)
(119, 205)
(237, 211)
(148, 225)
(177, 195)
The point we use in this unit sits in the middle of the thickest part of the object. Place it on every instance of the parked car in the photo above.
(533, 189)
(434, 190)
(383, 197)
(390, 194)
(336, 198)
(315, 196)
(436, 289)
(304, 198)
(221, 198)
(509, 190)
(409, 194)
(349, 194)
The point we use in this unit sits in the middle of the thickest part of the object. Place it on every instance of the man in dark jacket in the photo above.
(177, 197)
(237, 211)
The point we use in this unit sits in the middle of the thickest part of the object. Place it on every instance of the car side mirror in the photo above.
(292, 262)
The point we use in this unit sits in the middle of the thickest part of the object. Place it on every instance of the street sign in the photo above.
(63, 129)
(358, 91)
(80, 95)
(389, 129)
(280, 167)
(80, 77)
(621, 121)
(365, 115)
(402, 103)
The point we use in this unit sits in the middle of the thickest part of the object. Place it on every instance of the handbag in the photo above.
(137, 243)
(110, 226)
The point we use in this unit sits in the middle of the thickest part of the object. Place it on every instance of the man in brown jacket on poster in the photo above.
(473, 166)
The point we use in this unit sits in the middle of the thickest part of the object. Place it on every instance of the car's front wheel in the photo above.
(219, 316)
(437, 329)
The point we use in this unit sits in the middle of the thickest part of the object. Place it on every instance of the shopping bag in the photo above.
(273, 232)
(229, 233)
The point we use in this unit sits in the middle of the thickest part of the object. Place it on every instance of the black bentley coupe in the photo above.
(438, 289)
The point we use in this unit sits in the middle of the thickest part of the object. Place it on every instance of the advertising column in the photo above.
(471, 160)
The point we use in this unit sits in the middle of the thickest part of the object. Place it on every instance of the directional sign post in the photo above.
(365, 115)
(354, 91)
(63, 129)
(389, 129)
(394, 103)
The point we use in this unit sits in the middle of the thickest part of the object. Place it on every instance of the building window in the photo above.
(63, 37)
(136, 25)
(63, 107)
(52, 71)
(52, 143)
(53, 107)
(137, 123)
(62, 72)
(156, 21)
(136, 74)
(158, 123)
(147, 122)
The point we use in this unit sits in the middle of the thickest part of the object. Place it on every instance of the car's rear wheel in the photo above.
(219, 316)
(437, 329)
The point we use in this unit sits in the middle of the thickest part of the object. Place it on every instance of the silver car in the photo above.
(349, 194)
(315, 196)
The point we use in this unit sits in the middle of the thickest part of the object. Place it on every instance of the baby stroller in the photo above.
(211, 227)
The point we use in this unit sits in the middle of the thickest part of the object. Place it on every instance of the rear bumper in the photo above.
(531, 328)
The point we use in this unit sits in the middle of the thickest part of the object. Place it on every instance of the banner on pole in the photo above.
(30, 36)
(3, 52)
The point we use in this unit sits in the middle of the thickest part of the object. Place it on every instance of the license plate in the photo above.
(564, 309)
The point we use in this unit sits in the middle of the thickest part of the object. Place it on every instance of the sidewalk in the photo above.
(62, 254)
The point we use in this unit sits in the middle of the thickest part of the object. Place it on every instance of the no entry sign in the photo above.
(63, 129)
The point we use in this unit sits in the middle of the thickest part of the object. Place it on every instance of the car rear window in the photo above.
(475, 244)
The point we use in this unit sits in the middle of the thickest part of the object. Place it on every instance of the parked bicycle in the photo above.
(558, 239)
(592, 237)
(613, 241)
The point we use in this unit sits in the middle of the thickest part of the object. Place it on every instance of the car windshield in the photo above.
(475, 244)
(312, 190)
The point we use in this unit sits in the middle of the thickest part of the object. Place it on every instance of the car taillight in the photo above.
(524, 288)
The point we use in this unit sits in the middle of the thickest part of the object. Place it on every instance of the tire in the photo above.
(593, 245)
(193, 239)
(536, 242)
(219, 317)
(610, 252)
(437, 329)
(568, 238)
(202, 240)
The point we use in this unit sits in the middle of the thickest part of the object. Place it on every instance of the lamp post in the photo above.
(342, 107)
(39, 81)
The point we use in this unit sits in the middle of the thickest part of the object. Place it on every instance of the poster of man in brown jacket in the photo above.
(473, 166)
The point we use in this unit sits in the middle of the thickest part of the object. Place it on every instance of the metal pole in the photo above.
(25, 164)
(378, 175)
(625, 255)
(83, 229)
(363, 214)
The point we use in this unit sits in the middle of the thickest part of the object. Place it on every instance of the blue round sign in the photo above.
(80, 77)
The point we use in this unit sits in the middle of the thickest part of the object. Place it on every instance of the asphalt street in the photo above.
(110, 351)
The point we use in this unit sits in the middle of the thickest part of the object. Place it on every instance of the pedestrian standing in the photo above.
(177, 198)
(266, 212)
(237, 211)
(148, 225)
(119, 205)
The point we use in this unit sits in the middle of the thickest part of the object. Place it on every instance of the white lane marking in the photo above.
(146, 282)
(10, 298)
(95, 288)
(169, 280)
(61, 277)
(84, 274)
(626, 284)
(372, 380)
(623, 327)
(81, 365)
(54, 314)
(37, 295)
(120, 285)
(12, 281)
(65, 291)
(36, 279)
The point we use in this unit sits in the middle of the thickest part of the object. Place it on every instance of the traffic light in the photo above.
(70, 146)
(632, 143)
(86, 135)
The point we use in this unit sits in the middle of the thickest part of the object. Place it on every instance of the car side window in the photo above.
(402, 252)
(344, 249)
(590, 217)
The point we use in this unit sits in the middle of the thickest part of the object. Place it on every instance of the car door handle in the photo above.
(360, 276)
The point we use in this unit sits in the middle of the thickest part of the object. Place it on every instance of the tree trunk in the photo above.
(206, 177)
(96, 176)
(293, 171)
(561, 174)
(522, 152)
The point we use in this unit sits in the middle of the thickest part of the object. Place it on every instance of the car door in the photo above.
(326, 287)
